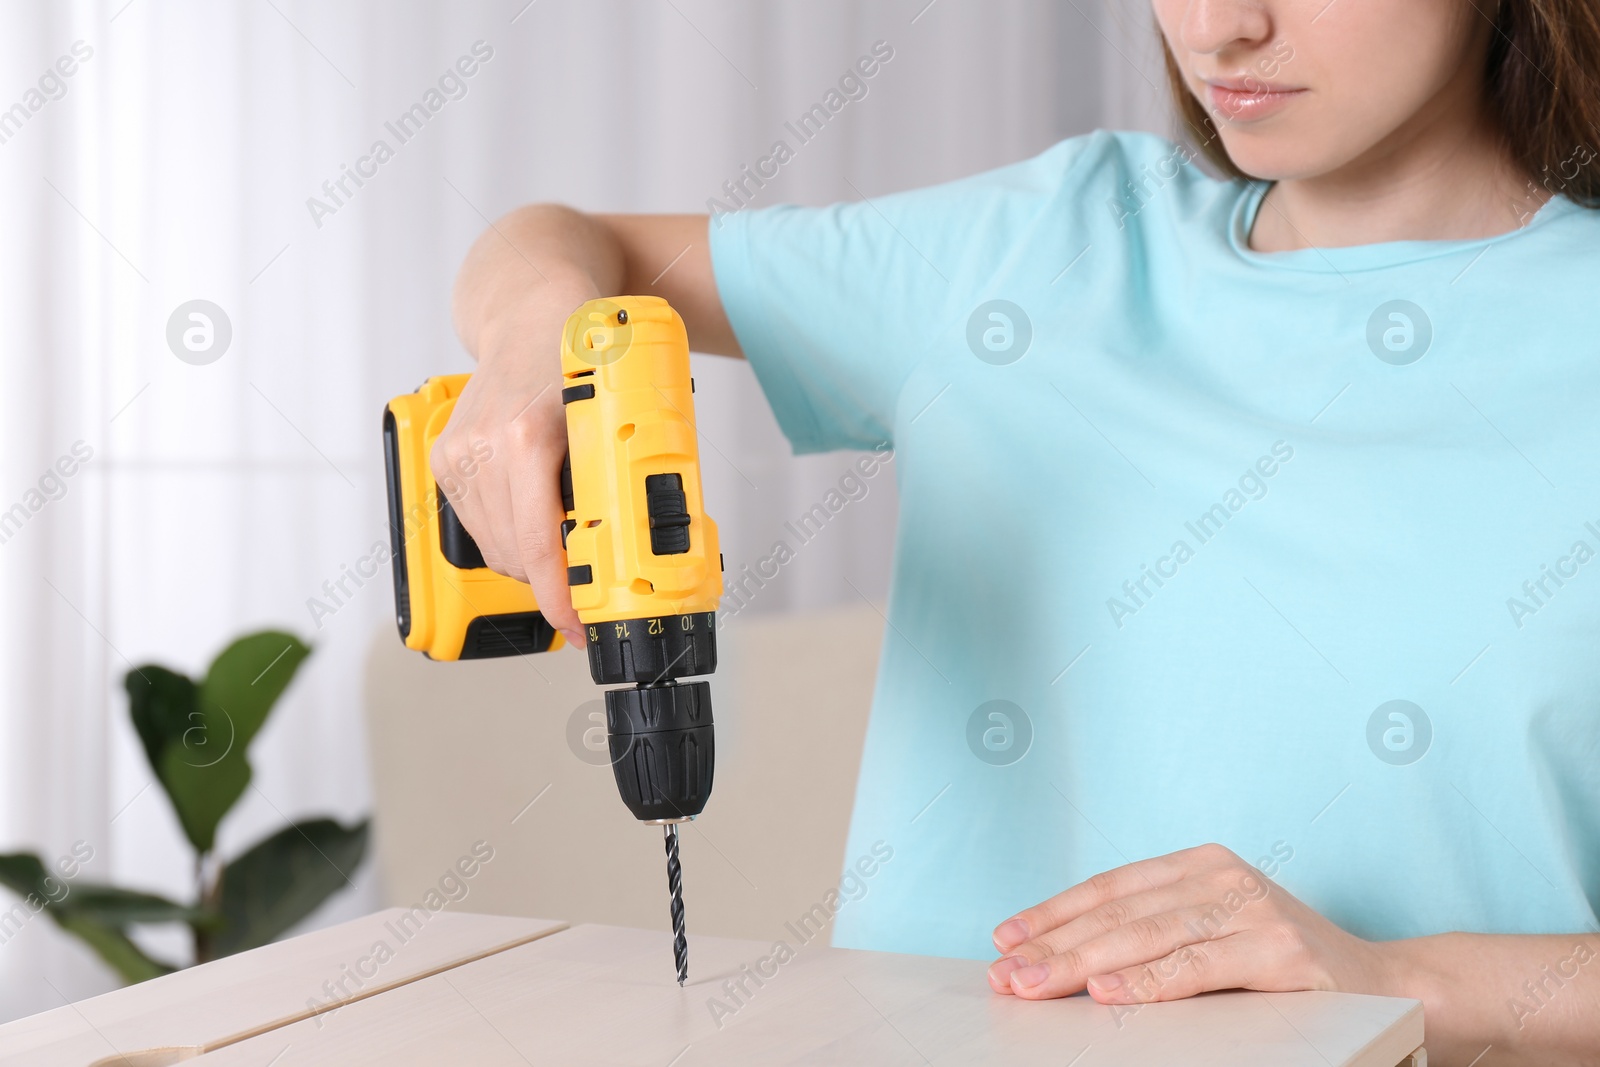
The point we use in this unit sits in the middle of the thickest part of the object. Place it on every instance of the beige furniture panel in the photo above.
(606, 995)
(460, 751)
(178, 1016)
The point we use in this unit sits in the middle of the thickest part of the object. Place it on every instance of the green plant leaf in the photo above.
(202, 793)
(23, 873)
(97, 914)
(196, 736)
(283, 878)
(248, 677)
(26, 875)
(114, 906)
(182, 743)
(115, 947)
(162, 704)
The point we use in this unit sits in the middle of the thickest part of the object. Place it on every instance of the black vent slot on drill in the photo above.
(397, 521)
(515, 634)
(669, 514)
(454, 542)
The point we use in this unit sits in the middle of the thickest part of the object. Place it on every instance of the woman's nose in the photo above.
(1209, 27)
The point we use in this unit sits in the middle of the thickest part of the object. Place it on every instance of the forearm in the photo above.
(527, 264)
(1526, 999)
(530, 269)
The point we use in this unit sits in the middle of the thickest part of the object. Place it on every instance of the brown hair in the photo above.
(1543, 80)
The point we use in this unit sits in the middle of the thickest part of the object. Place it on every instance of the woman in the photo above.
(1257, 511)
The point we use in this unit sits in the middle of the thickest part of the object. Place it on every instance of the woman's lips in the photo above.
(1245, 102)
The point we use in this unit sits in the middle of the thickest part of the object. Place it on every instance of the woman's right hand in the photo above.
(499, 459)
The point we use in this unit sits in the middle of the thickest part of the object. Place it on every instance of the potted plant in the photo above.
(196, 735)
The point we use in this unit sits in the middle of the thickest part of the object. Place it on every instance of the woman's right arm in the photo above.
(521, 280)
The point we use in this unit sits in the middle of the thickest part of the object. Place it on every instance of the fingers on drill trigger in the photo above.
(538, 514)
(491, 509)
(547, 574)
(472, 500)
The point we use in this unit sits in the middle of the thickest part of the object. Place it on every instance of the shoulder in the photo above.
(1084, 188)
(1089, 170)
(1104, 177)
(1104, 161)
(1097, 161)
(1569, 223)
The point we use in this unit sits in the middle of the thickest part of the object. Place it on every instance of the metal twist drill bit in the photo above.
(680, 944)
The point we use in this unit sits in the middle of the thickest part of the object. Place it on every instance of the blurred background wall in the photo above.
(180, 162)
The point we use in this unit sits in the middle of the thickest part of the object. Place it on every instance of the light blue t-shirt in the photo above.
(1294, 552)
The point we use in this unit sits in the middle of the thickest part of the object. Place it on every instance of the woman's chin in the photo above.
(1277, 155)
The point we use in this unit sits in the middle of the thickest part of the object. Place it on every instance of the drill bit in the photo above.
(680, 944)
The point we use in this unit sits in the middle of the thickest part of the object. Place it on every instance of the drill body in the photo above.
(644, 566)
(643, 561)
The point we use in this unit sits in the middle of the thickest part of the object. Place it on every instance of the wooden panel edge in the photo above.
(289, 1020)
(1397, 1044)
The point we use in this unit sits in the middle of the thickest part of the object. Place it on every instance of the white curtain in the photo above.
(180, 161)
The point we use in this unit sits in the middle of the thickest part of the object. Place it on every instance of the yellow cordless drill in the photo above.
(643, 564)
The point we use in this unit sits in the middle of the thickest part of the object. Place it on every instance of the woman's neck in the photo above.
(1444, 175)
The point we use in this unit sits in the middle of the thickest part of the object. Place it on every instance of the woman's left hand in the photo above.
(1177, 925)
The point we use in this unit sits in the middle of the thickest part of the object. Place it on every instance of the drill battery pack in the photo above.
(448, 604)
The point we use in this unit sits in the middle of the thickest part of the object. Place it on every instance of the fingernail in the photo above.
(1011, 932)
(1106, 983)
(574, 637)
(1000, 970)
(1030, 976)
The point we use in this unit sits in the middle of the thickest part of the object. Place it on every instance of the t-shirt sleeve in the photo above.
(835, 306)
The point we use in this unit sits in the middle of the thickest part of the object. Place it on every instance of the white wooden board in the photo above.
(178, 1016)
(606, 995)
